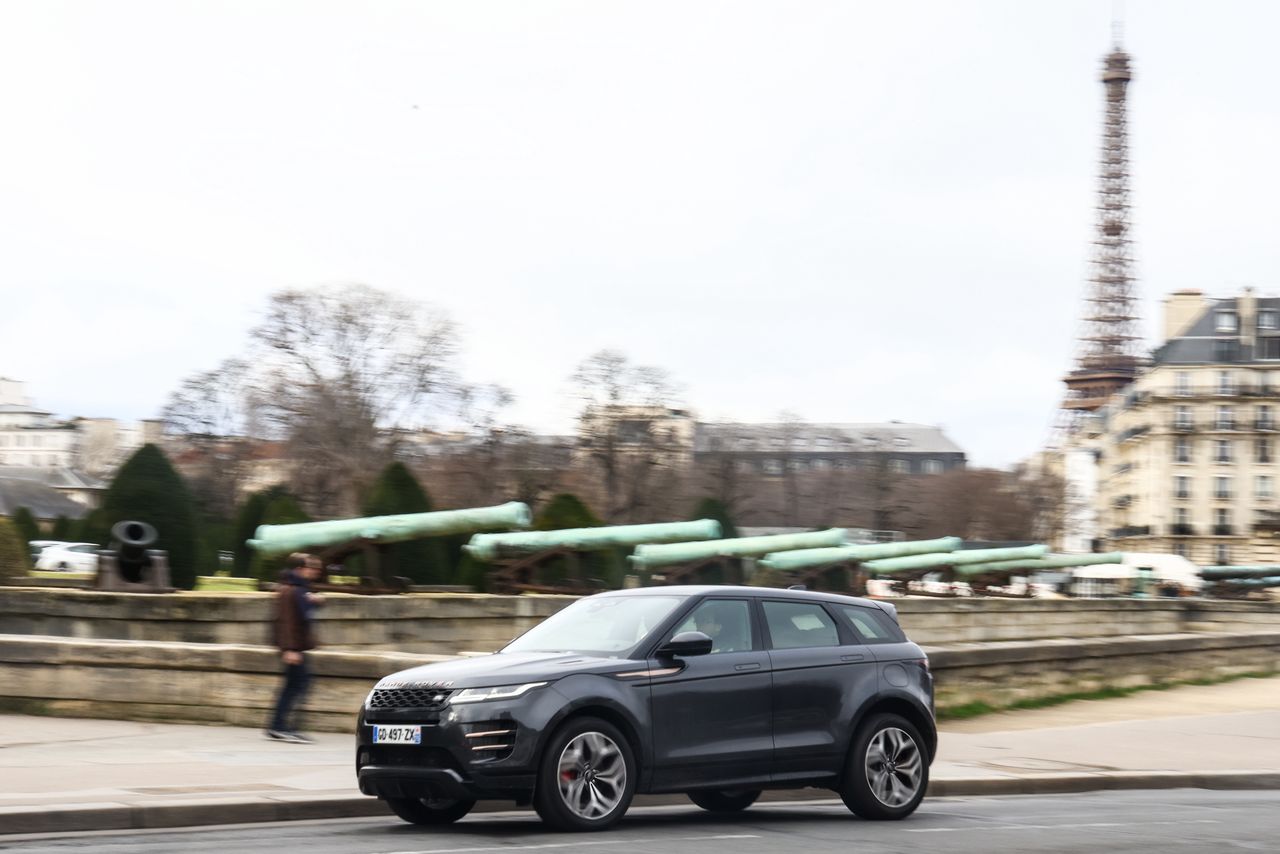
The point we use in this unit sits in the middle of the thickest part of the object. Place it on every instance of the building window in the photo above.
(1182, 386)
(1225, 349)
(1265, 421)
(1181, 449)
(1222, 488)
(1262, 486)
(1222, 554)
(933, 466)
(1225, 384)
(772, 467)
(900, 466)
(1226, 321)
(1182, 486)
(1262, 450)
(1268, 348)
(1267, 318)
(1222, 451)
(1182, 417)
(1226, 419)
(1221, 522)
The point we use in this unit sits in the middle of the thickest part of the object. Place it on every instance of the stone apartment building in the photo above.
(1187, 457)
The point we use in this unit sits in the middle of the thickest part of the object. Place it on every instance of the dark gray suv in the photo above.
(720, 692)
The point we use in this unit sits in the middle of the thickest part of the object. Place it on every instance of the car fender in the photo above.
(895, 694)
(627, 699)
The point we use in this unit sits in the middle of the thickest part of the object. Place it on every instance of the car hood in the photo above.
(502, 669)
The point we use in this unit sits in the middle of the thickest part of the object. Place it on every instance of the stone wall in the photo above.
(432, 623)
(228, 684)
(436, 623)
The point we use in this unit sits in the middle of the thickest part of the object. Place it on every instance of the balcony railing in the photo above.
(1264, 425)
(1222, 530)
(1179, 530)
(1132, 531)
(1183, 426)
(1224, 424)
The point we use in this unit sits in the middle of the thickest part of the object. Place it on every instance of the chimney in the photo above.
(1247, 310)
(1181, 309)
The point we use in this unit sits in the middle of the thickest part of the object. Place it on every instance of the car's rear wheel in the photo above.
(430, 811)
(587, 777)
(725, 800)
(888, 769)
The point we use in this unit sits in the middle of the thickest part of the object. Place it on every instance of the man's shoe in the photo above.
(277, 735)
(299, 738)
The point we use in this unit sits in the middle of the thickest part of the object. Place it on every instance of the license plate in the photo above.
(397, 735)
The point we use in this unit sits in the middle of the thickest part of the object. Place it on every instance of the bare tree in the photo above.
(631, 436)
(339, 374)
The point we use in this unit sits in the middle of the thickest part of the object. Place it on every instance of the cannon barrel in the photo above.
(278, 539)
(1222, 573)
(810, 558)
(938, 561)
(488, 547)
(129, 540)
(1268, 581)
(1046, 562)
(652, 556)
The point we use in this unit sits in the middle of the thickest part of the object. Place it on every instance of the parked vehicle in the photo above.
(719, 692)
(69, 557)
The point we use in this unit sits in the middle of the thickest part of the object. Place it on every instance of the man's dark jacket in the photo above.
(293, 617)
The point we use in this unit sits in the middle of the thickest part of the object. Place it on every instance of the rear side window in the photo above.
(872, 624)
(795, 625)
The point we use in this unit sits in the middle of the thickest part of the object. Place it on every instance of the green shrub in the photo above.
(713, 508)
(147, 489)
(13, 551)
(26, 525)
(283, 509)
(247, 522)
(63, 529)
(425, 561)
(565, 510)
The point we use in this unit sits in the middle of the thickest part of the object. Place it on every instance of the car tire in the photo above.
(888, 769)
(725, 800)
(62, 566)
(430, 811)
(587, 776)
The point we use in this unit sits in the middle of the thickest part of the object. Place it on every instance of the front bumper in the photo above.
(485, 750)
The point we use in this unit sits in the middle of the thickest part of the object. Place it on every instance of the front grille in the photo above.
(417, 699)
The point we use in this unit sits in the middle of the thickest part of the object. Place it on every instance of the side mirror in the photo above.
(686, 644)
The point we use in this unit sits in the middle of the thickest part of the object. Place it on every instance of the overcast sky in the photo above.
(857, 211)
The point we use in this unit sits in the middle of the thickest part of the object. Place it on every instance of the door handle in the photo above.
(852, 657)
(746, 666)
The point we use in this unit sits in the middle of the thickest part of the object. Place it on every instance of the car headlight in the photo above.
(498, 692)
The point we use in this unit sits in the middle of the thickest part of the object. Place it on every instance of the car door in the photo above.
(819, 673)
(711, 713)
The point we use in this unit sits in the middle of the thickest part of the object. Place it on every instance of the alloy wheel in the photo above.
(592, 774)
(894, 766)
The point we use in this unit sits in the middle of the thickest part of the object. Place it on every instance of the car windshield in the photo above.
(600, 625)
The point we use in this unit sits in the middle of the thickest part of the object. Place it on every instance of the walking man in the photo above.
(294, 636)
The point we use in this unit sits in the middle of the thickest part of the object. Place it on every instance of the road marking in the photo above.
(1074, 826)
(593, 843)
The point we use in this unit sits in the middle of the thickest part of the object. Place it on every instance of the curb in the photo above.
(80, 818)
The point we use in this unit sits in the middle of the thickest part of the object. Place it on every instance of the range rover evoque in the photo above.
(719, 692)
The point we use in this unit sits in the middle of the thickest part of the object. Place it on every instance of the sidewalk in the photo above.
(65, 774)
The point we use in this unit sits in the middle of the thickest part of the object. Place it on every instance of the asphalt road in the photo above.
(1173, 820)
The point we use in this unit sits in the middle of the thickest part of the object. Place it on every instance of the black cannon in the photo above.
(129, 565)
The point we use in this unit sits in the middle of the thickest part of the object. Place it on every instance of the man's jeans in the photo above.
(296, 679)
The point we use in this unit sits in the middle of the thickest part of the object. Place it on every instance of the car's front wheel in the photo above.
(587, 776)
(430, 811)
(725, 800)
(888, 769)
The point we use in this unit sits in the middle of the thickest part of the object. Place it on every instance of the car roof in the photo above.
(734, 590)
